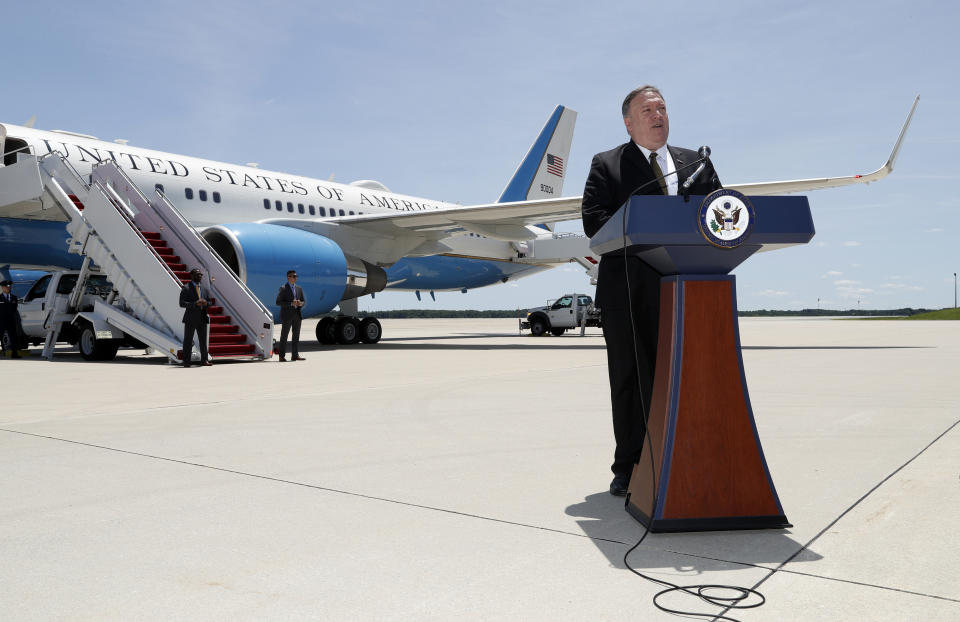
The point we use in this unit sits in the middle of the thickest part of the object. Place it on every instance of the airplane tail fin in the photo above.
(541, 173)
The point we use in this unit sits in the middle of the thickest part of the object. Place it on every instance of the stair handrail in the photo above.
(115, 199)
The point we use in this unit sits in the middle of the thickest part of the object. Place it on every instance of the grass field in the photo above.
(942, 314)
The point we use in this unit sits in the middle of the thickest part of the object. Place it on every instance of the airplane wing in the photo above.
(385, 238)
(803, 185)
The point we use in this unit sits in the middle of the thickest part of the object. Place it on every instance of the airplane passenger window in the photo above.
(279, 206)
(289, 206)
(188, 192)
(351, 212)
(266, 204)
(341, 213)
(216, 197)
(300, 207)
(202, 194)
(323, 211)
(160, 187)
(312, 210)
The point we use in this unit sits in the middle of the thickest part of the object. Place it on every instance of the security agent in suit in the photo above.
(614, 176)
(195, 300)
(9, 320)
(290, 298)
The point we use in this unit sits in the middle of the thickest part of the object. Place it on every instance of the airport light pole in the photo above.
(954, 290)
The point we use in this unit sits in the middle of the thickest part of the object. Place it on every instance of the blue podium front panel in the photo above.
(665, 233)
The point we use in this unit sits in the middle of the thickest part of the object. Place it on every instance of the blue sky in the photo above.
(442, 99)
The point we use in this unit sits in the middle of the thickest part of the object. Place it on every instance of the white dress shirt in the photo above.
(667, 167)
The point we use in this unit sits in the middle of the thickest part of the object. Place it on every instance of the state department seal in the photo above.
(726, 218)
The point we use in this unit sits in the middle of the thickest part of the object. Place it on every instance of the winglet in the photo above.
(903, 132)
(804, 185)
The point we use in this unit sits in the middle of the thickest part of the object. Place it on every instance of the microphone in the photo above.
(704, 153)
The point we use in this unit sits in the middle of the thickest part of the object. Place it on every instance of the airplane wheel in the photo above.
(347, 330)
(325, 331)
(370, 330)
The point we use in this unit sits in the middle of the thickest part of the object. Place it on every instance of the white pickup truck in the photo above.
(568, 311)
(55, 302)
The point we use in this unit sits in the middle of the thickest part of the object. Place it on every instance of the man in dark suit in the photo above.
(9, 320)
(195, 300)
(290, 298)
(645, 165)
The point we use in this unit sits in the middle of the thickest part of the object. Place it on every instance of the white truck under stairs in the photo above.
(145, 248)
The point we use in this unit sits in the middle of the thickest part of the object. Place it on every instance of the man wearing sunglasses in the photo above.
(291, 300)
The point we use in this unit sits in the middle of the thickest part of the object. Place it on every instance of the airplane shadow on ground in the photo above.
(604, 520)
(435, 343)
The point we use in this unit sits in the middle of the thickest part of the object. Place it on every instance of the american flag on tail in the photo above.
(555, 165)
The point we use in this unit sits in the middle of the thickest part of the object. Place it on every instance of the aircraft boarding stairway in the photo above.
(145, 248)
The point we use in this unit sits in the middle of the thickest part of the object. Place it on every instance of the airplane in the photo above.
(344, 240)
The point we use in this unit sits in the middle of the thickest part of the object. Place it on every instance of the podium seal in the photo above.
(726, 218)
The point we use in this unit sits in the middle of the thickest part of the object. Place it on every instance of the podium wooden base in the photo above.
(708, 468)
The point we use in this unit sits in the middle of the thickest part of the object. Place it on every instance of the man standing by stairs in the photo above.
(194, 300)
(290, 298)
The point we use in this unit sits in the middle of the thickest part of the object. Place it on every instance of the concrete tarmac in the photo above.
(458, 470)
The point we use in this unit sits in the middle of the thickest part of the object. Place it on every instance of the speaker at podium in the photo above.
(708, 467)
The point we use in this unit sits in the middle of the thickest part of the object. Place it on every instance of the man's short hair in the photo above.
(197, 271)
(291, 273)
(646, 88)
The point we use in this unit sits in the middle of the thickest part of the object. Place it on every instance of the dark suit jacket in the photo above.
(193, 314)
(9, 315)
(614, 176)
(285, 299)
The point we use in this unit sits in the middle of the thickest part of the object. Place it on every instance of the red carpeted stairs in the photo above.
(226, 341)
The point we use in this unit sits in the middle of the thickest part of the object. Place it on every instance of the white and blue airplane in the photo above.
(344, 240)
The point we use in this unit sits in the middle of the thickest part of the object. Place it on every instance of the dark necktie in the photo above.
(657, 171)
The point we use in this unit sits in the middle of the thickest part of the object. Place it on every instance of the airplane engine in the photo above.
(260, 254)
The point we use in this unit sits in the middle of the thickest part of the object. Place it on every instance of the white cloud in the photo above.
(831, 273)
(772, 292)
(845, 283)
(934, 230)
(851, 243)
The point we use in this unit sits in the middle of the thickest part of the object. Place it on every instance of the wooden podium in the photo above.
(708, 470)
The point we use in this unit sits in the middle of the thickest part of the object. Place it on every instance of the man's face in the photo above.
(292, 279)
(196, 276)
(647, 121)
(5, 289)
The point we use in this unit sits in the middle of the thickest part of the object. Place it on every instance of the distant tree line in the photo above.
(514, 313)
(906, 312)
(444, 313)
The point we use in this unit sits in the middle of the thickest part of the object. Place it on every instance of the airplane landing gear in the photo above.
(348, 330)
